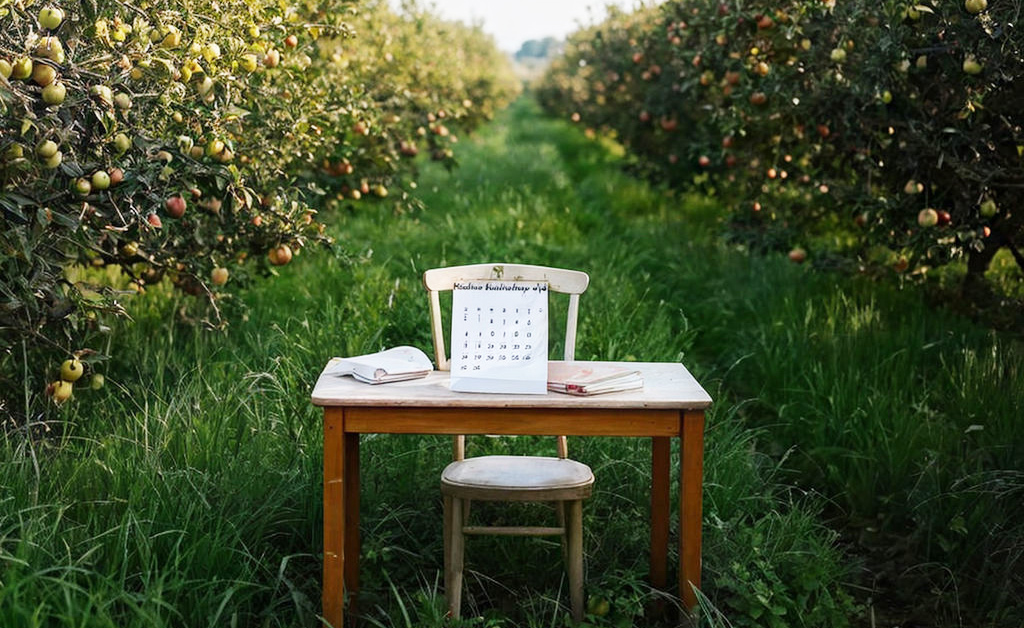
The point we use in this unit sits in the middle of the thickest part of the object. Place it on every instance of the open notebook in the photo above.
(391, 365)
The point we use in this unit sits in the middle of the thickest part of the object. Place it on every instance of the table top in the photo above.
(667, 385)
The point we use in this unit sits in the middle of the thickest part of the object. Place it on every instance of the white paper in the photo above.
(500, 337)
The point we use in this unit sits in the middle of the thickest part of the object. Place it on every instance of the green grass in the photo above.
(860, 445)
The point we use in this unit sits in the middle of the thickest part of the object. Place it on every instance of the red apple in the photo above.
(175, 206)
(280, 255)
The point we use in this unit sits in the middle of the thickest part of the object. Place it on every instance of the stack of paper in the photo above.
(589, 378)
(390, 365)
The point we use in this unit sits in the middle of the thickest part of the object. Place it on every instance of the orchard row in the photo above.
(875, 134)
(198, 144)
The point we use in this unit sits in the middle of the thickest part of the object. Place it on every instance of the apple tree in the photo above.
(846, 128)
(199, 146)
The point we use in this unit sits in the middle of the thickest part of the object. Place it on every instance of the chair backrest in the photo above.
(562, 281)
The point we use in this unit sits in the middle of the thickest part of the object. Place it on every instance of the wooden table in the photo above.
(671, 405)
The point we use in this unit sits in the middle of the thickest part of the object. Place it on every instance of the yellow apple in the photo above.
(71, 370)
(60, 390)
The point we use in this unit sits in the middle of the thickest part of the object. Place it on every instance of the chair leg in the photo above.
(560, 512)
(574, 546)
(454, 552)
(447, 516)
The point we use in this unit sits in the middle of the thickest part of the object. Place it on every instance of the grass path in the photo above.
(186, 493)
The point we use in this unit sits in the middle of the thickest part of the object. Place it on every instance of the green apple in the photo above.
(53, 160)
(249, 62)
(214, 148)
(81, 186)
(100, 180)
(71, 370)
(975, 6)
(6, 68)
(43, 74)
(928, 217)
(971, 65)
(50, 17)
(97, 381)
(51, 48)
(988, 208)
(54, 93)
(46, 149)
(122, 143)
(104, 93)
(21, 68)
(14, 152)
(123, 101)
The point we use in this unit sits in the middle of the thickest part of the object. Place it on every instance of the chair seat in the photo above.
(517, 478)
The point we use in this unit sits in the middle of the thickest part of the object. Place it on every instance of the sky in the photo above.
(513, 22)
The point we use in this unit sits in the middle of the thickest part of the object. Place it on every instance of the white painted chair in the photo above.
(559, 480)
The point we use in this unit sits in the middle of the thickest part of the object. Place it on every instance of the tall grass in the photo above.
(187, 491)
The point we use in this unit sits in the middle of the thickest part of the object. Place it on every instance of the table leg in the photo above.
(333, 594)
(691, 478)
(352, 542)
(660, 472)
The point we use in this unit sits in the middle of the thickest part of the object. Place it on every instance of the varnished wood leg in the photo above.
(333, 593)
(661, 447)
(454, 558)
(352, 541)
(691, 478)
(574, 545)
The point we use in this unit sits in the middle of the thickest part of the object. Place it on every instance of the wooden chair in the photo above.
(559, 480)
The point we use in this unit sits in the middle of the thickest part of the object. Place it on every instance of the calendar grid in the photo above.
(500, 334)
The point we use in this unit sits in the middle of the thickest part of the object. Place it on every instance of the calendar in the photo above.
(500, 337)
